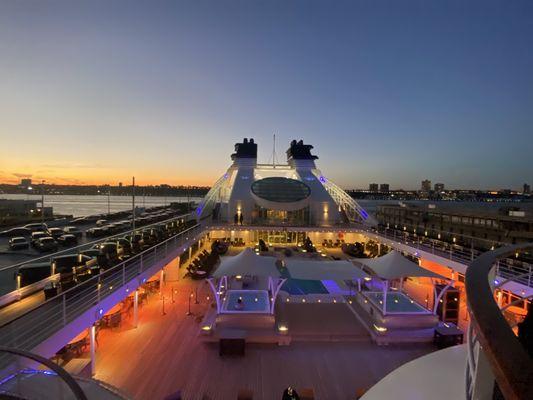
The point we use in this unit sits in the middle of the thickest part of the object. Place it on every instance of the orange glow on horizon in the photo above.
(76, 177)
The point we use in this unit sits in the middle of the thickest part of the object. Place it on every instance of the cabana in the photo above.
(246, 263)
(395, 266)
(251, 264)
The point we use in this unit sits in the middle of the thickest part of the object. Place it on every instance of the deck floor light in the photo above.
(189, 309)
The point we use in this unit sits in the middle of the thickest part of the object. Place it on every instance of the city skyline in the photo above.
(370, 187)
(96, 93)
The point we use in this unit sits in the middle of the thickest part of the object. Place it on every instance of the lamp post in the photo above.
(42, 201)
(188, 198)
(133, 203)
(109, 201)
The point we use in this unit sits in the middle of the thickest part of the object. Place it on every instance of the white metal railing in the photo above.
(208, 203)
(353, 210)
(507, 268)
(474, 347)
(42, 321)
(8, 273)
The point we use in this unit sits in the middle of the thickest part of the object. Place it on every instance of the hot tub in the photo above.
(397, 303)
(254, 302)
(404, 320)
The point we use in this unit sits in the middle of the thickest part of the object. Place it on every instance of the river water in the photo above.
(80, 206)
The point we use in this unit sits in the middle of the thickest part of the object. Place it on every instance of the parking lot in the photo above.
(115, 228)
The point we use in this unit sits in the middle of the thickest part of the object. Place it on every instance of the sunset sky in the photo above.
(386, 91)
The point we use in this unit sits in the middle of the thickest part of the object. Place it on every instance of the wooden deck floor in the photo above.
(164, 354)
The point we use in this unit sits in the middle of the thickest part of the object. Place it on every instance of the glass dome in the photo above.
(280, 190)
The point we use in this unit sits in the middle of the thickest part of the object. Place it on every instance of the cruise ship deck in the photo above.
(164, 355)
(278, 279)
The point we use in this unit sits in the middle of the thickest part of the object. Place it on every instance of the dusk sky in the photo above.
(387, 92)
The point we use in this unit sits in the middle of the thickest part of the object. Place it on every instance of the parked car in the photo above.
(137, 242)
(55, 232)
(45, 244)
(67, 240)
(73, 230)
(101, 222)
(124, 248)
(18, 242)
(95, 232)
(37, 227)
(109, 252)
(148, 238)
(16, 232)
(35, 236)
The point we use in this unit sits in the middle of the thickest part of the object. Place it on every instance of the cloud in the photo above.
(75, 166)
(21, 175)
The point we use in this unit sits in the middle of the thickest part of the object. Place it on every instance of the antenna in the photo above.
(274, 152)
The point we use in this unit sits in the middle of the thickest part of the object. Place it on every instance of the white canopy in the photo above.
(247, 263)
(393, 266)
(320, 270)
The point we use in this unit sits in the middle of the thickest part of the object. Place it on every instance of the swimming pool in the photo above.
(303, 286)
(397, 302)
(254, 302)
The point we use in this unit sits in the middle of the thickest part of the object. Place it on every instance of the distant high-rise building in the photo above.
(373, 187)
(426, 185)
(26, 182)
(527, 189)
(384, 188)
(439, 187)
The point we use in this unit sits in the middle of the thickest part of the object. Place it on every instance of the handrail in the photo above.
(510, 363)
(97, 278)
(507, 268)
(36, 325)
(64, 375)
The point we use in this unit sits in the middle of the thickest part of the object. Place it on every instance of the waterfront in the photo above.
(80, 206)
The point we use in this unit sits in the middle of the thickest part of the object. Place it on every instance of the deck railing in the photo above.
(490, 338)
(508, 267)
(41, 322)
(8, 273)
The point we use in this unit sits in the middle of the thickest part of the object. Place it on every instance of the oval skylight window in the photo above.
(281, 190)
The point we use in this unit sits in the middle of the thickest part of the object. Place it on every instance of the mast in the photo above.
(274, 152)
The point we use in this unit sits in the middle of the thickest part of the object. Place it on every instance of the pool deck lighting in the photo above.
(380, 328)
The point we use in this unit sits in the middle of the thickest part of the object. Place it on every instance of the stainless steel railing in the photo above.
(8, 273)
(42, 321)
(508, 267)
